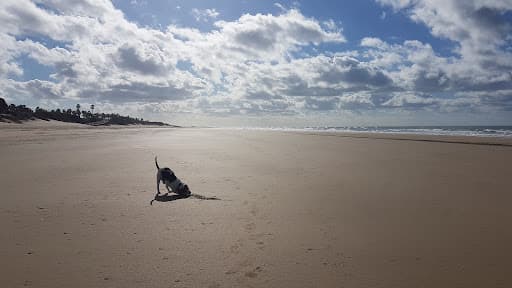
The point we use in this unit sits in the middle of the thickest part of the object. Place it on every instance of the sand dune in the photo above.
(295, 209)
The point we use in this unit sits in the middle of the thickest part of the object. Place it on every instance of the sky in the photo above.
(263, 63)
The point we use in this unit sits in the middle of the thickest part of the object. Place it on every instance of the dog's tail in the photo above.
(157, 167)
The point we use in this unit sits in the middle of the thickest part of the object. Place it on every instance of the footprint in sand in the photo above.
(234, 249)
(250, 226)
(229, 272)
(251, 274)
(254, 272)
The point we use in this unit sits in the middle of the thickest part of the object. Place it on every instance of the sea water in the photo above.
(482, 131)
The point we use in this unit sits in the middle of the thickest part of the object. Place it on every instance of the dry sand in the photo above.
(297, 210)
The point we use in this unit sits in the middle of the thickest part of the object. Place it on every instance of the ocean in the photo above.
(482, 131)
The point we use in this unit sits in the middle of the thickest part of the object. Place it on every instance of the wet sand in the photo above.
(296, 209)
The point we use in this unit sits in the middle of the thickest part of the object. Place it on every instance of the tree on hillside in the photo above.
(78, 110)
(21, 112)
(4, 108)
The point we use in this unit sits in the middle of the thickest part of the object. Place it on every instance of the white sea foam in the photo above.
(481, 131)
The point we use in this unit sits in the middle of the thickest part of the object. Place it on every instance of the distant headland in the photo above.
(20, 113)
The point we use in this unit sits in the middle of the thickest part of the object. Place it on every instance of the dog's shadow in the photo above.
(174, 197)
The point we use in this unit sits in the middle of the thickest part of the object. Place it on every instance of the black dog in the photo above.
(172, 183)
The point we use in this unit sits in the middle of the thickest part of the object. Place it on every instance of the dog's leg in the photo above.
(157, 188)
(157, 184)
(168, 189)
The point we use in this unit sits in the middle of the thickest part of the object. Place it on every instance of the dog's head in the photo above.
(184, 190)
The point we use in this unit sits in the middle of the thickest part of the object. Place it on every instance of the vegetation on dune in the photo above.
(19, 113)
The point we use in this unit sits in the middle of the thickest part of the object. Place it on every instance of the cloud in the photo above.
(425, 80)
(321, 103)
(353, 72)
(280, 6)
(482, 63)
(101, 55)
(257, 64)
(479, 27)
(268, 35)
(130, 58)
(204, 15)
(316, 76)
(142, 92)
(138, 3)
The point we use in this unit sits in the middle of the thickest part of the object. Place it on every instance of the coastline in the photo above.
(296, 210)
(41, 125)
(471, 140)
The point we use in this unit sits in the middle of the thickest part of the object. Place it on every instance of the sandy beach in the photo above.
(295, 209)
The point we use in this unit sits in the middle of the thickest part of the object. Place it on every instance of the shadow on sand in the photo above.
(174, 197)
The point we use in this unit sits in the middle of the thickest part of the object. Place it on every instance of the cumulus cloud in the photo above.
(481, 32)
(100, 55)
(34, 88)
(258, 63)
(268, 36)
(134, 59)
(479, 27)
